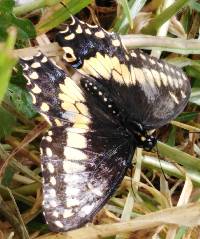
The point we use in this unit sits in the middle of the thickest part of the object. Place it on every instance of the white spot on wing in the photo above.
(55, 214)
(72, 178)
(53, 203)
(36, 89)
(174, 97)
(50, 167)
(44, 107)
(74, 154)
(53, 181)
(72, 167)
(76, 140)
(49, 152)
(36, 65)
(87, 209)
(67, 213)
(71, 202)
(59, 224)
(34, 75)
(44, 59)
(70, 37)
(99, 34)
(72, 191)
(183, 94)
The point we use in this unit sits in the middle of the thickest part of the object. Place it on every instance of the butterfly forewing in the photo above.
(153, 91)
(85, 153)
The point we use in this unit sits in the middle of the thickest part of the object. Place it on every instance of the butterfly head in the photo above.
(148, 142)
(142, 137)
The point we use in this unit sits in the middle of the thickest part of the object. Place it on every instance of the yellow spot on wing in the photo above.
(36, 65)
(34, 75)
(98, 67)
(126, 74)
(174, 97)
(116, 64)
(81, 126)
(108, 62)
(58, 122)
(117, 77)
(105, 61)
(66, 98)
(70, 89)
(88, 69)
(79, 29)
(69, 107)
(140, 77)
(156, 76)
(164, 78)
(82, 108)
(170, 80)
(70, 37)
(149, 77)
(36, 89)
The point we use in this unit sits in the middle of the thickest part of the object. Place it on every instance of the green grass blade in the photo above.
(178, 156)
(73, 7)
(159, 20)
(7, 61)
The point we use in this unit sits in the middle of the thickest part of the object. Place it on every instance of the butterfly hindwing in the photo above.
(154, 91)
(84, 156)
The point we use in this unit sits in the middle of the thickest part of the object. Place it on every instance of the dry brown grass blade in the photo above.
(29, 137)
(130, 41)
(188, 216)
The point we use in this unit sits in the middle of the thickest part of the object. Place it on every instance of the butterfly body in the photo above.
(96, 124)
(136, 133)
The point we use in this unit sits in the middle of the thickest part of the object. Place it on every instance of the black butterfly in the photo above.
(97, 124)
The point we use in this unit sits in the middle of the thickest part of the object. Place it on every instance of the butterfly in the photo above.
(97, 123)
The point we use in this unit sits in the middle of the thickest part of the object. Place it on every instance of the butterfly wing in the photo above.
(152, 90)
(84, 157)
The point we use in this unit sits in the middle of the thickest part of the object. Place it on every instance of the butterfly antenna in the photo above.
(159, 157)
(133, 191)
